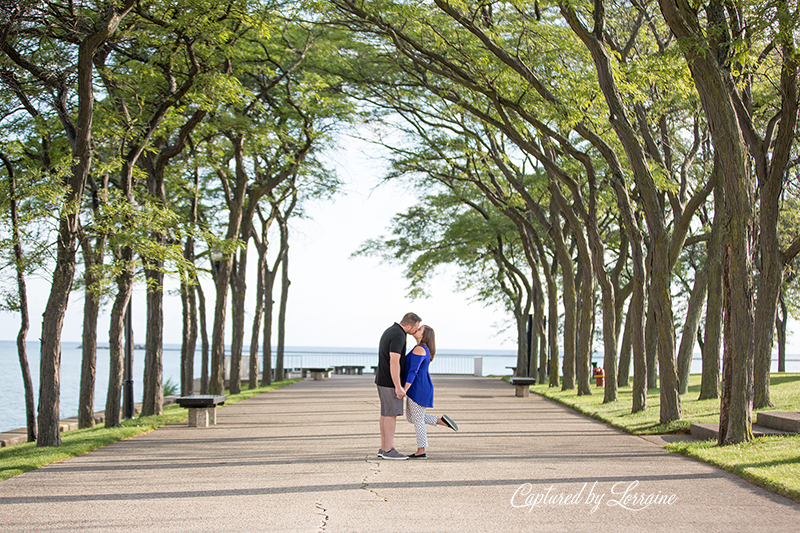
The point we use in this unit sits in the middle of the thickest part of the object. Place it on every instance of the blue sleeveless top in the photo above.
(421, 390)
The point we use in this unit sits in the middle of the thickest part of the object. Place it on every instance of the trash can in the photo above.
(599, 377)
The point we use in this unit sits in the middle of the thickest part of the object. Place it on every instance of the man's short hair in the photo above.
(410, 319)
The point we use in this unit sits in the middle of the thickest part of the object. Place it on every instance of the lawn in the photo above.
(24, 457)
(771, 462)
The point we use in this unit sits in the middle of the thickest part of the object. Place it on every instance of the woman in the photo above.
(419, 389)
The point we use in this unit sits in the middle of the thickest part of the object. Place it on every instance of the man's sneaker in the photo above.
(394, 454)
(380, 453)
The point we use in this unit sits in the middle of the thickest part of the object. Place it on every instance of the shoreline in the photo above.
(20, 435)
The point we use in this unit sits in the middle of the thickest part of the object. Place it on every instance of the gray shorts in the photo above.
(391, 405)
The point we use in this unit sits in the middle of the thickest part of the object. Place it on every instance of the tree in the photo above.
(21, 50)
(705, 52)
(19, 264)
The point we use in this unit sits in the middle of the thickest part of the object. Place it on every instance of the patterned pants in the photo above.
(416, 415)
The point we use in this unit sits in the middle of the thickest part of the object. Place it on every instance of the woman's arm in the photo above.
(413, 362)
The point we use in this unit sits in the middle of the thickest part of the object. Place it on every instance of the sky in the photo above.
(335, 300)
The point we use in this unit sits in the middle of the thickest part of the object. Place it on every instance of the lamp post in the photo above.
(529, 352)
(127, 404)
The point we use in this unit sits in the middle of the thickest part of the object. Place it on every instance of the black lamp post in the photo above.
(127, 404)
(529, 350)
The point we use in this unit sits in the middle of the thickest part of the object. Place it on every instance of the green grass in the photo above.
(24, 457)
(771, 462)
(618, 414)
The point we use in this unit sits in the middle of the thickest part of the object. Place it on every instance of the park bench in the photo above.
(317, 373)
(202, 408)
(523, 386)
(348, 369)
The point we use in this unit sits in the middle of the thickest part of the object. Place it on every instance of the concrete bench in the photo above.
(353, 369)
(523, 386)
(202, 408)
(317, 373)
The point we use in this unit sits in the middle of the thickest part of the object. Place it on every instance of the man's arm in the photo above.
(394, 369)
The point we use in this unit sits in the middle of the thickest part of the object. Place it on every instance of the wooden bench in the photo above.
(523, 386)
(202, 408)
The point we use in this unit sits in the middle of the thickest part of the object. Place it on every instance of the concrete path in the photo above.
(303, 458)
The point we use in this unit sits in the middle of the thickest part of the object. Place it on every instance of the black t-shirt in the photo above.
(392, 340)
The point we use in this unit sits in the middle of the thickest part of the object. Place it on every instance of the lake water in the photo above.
(12, 394)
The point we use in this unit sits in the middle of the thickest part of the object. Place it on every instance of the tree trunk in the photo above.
(781, 319)
(692, 322)
(543, 351)
(635, 323)
(284, 299)
(624, 368)
(189, 331)
(258, 314)
(609, 316)
(267, 301)
(768, 291)
(535, 348)
(266, 365)
(734, 425)
(22, 353)
(638, 347)
(770, 182)
(49, 429)
(651, 342)
(189, 304)
(587, 245)
(204, 358)
(552, 324)
(662, 299)
(221, 282)
(92, 258)
(238, 290)
(569, 299)
(152, 386)
(711, 80)
(223, 268)
(584, 342)
(709, 384)
(116, 339)
(19, 261)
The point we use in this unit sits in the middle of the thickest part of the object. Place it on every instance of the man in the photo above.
(389, 379)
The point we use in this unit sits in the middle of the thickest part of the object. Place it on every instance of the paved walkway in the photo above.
(303, 458)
